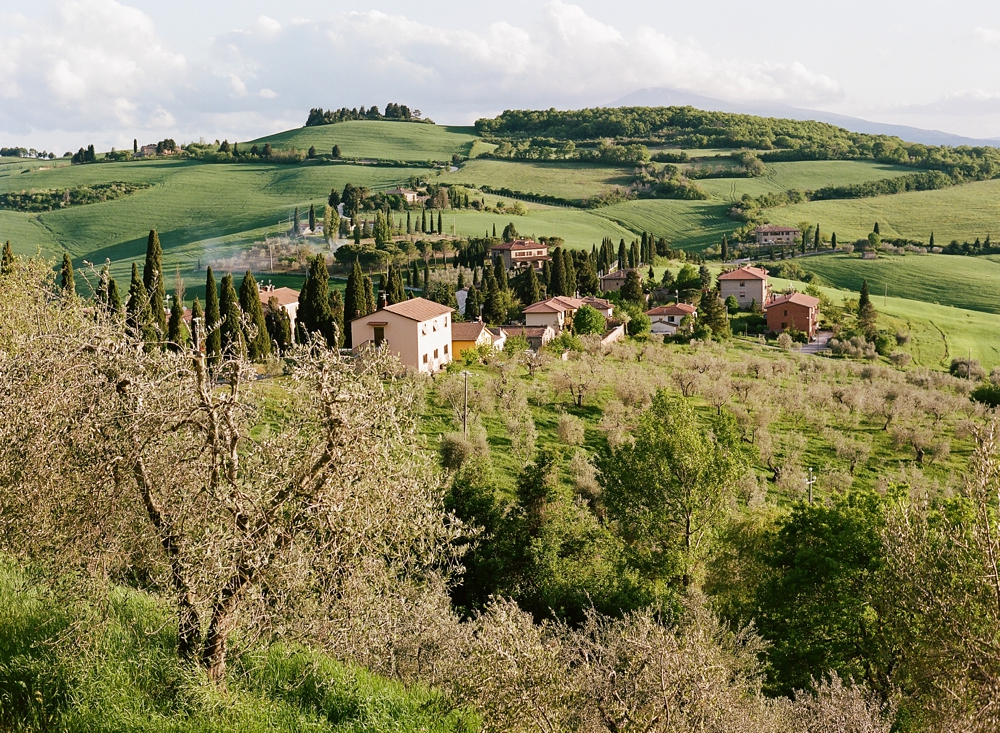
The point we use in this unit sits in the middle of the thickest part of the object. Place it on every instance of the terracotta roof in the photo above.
(467, 331)
(498, 333)
(797, 298)
(600, 303)
(776, 229)
(558, 304)
(677, 309)
(284, 296)
(527, 331)
(518, 244)
(745, 273)
(619, 274)
(416, 309)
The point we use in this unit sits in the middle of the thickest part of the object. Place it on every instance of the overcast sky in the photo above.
(79, 71)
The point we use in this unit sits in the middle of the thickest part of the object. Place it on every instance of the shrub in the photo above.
(785, 341)
(570, 429)
(964, 368)
(900, 359)
(454, 450)
(588, 320)
(987, 394)
(902, 338)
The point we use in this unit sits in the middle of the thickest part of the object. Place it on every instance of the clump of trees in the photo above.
(393, 111)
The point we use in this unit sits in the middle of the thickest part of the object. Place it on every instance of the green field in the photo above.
(960, 212)
(684, 224)
(572, 181)
(380, 140)
(579, 228)
(201, 210)
(965, 282)
(806, 175)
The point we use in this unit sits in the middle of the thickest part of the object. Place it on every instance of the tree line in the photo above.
(393, 111)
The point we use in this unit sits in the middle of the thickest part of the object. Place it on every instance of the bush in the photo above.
(856, 347)
(987, 394)
(963, 368)
(588, 320)
(883, 343)
(900, 359)
(902, 338)
(454, 450)
(785, 341)
(570, 429)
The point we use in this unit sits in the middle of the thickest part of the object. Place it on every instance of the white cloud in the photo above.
(987, 35)
(266, 93)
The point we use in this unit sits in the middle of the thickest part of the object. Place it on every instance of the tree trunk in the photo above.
(214, 652)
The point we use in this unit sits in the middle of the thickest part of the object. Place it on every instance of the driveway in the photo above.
(820, 344)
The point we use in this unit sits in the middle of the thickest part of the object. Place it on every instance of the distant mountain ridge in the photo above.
(666, 97)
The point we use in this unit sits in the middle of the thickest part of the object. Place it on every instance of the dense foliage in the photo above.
(393, 111)
(60, 198)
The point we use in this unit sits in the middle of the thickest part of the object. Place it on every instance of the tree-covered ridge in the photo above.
(687, 127)
(393, 111)
(60, 198)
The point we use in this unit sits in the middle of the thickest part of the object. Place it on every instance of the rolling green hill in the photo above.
(804, 175)
(571, 181)
(380, 140)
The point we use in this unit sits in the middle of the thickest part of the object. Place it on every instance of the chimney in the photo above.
(383, 301)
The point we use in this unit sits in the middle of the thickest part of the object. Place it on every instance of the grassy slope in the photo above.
(199, 209)
(125, 677)
(804, 175)
(963, 282)
(960, 212)
(378, 139)
(580, 229)
(571, 181)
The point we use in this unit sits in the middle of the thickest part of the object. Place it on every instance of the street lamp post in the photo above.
(809, 485)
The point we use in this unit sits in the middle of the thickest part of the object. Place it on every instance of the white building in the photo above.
(417, 330)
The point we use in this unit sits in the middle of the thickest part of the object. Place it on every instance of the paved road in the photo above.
(822, 337)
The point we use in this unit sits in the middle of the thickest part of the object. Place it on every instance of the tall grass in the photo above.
(110, 665)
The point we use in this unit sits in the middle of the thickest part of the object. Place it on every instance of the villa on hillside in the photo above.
(614, 281)
(417, 330)
(667, 319)
(536, 336)
(521, 253)
(558, 311)
(775, 235)
(746, 284)
(472, 335)
(287, 299)
(797, 310)
(407, 194)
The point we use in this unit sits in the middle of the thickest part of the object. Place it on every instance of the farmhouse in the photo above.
(286, 297)
(746, 284)
(472, 335)
(613, 281)
(407, 194)
(775, 235)
(537, 336)
(417, 330)
(521, 253)
(558, 312)
(666, 319)
(797, 310)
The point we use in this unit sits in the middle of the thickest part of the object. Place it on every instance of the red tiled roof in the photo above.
(558, 304)
(467, 331)
(677, 309)
(796, 298)
(774, 229)
(600, 303)
(416, 309)
(619, 274)
(518, 244)
(745, 273)
(284, 296)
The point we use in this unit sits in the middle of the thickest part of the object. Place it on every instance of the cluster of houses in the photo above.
(425, 337)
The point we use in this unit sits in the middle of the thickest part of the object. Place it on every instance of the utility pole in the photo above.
(885, 298)
(809, 485)
(465, 413)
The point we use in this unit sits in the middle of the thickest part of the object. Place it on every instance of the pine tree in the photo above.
(278, 325)
(256, 336)
(66, 281)
(152, 280)
(138, 315)
(231, 330)
(312, 218)
(712, 313)
(725, 249)
(557, 285)
(197, 317)
(369, 293)
(177, 331)
(213, 336)
(7, 263)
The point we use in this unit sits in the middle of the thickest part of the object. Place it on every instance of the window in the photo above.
(786, 313)
(434, 326)
(446, 321)
(435, 353)
(783, 325)
(379, 335)
(446, 348)
(743, 284)
(423, 329)
(670, 319)
(743, 294)
(425, 358)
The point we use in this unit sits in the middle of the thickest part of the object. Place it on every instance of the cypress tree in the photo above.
(138, 315)
(461, 280)
(115, 305)
(197, 316)
(312, 218)
(532, 291)
(816, 239)
(557, 285)
(547, 275)
(427, 275)
(231, 330)
(493, 310)
(494, 230)
(314, 315)
(152, 280)
(622, 257)
(833, 240)
(570, 269)
(257, 339)
(354, 299)
(67, 282)
(7, 263)
(369, 293)
(931, 243)
(397, 293)
(337, 314)
(177, 331)
(440, 229)
(423, 221)
(725, 249)
(472, 304)
(500, 274)
(867, 315)
(213, 336)
(135, 146)
(296, 223)
(875, 230)
(278, 324)
(409, 224)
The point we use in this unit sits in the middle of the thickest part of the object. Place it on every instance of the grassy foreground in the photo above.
(82, 667)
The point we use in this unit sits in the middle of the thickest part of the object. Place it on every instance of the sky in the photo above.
(75, 72)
